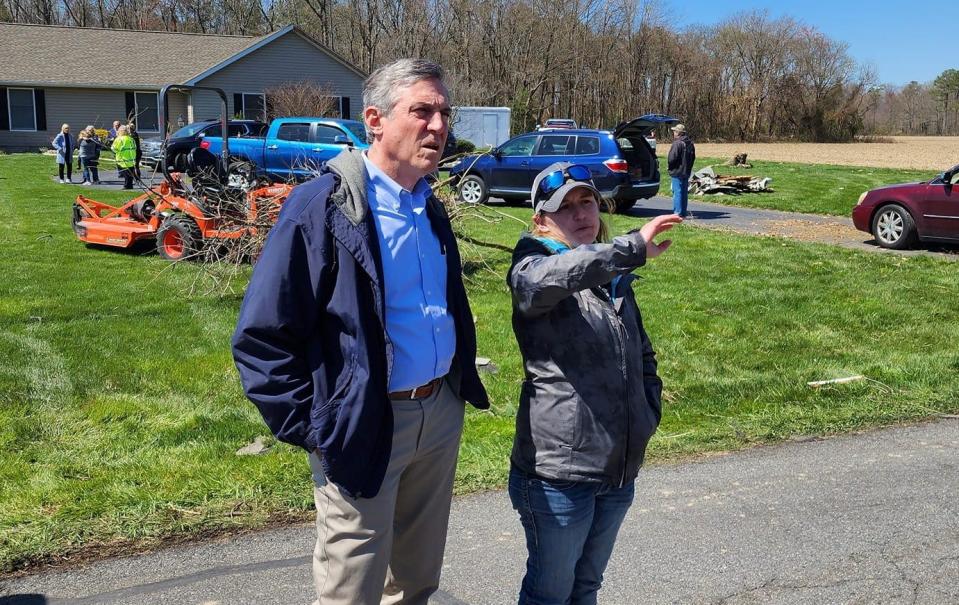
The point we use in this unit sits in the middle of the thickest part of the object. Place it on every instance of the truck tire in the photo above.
(179, 238)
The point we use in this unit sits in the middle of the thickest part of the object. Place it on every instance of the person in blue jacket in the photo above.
(64, 145)
(356, 342)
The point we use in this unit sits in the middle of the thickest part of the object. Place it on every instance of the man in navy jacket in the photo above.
(356, 342)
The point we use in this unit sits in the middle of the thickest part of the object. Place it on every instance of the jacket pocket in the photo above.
(340, 389)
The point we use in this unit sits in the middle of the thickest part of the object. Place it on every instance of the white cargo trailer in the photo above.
(482, 126)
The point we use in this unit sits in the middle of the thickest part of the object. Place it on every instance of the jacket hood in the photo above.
(350, 197)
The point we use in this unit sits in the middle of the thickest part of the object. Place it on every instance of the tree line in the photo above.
(915, 109)
(750, 77)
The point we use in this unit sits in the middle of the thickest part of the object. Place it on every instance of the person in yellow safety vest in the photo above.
(125, 151)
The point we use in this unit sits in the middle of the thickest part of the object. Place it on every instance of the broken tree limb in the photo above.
(818, 383)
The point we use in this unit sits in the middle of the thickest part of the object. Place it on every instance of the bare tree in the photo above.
(303, 98)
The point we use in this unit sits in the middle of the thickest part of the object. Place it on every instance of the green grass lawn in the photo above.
(811, 188)
(120, 409)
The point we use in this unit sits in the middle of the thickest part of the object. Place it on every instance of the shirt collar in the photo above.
(381, 180)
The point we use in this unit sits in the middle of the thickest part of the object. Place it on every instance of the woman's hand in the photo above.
(653, 228)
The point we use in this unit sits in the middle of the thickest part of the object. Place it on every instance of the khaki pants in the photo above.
(389, 549)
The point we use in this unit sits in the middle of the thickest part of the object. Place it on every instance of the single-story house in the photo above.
(83, 75)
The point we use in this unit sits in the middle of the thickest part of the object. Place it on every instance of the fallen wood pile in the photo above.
(706, 181)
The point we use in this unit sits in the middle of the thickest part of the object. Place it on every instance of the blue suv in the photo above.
(622, 162)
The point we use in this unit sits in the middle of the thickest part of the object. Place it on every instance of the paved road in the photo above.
(869, 518)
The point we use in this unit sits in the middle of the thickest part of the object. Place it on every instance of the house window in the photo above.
(23, 115)
(147, 112)
(254, 106)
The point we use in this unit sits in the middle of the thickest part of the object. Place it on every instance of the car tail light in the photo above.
(205, 144)
(617, 165)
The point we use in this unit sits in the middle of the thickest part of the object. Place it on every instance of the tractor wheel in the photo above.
(179, 238)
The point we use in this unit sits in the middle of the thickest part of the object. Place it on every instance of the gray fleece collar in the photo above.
(351, 195)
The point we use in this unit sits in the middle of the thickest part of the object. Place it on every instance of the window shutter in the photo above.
(40, 108)
(131, 107)
(237, 104)
(4, 116)
(345, 108)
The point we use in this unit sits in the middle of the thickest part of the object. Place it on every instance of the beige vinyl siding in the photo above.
(75, 106)
(179, 106)
(79, 107)
(287, 59)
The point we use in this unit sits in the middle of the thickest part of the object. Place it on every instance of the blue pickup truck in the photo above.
(293, 148)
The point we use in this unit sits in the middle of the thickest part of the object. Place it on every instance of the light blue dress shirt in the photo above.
(414, 274)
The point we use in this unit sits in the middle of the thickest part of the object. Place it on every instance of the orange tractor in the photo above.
(210, 202)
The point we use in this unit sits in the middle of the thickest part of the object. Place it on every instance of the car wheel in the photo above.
(893, 227)
(472, 190)
(624, 205)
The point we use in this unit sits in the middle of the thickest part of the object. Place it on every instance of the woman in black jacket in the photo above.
(591, 398)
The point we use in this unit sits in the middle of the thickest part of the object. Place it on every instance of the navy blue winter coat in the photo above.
(310, 343)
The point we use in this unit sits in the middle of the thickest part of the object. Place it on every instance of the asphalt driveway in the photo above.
(861, 518)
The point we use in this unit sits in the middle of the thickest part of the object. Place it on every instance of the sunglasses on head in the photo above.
(556, 179)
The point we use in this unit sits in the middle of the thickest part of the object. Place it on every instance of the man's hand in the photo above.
(653, 228)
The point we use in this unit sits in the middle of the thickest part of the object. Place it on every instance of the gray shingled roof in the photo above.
(109, 58)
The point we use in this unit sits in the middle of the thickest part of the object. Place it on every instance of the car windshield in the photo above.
(189, 130)
(357, 129)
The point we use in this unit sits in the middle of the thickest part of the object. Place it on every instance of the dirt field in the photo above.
(921, 153)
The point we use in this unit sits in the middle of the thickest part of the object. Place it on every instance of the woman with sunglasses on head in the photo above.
(590, 400)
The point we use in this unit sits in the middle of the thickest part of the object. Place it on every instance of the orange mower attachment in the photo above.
(180, 226)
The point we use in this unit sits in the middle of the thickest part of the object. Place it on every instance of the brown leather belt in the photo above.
(419, 392)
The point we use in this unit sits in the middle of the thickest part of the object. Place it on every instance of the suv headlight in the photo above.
(862, 197)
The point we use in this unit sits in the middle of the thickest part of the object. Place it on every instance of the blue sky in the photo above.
(903, 41)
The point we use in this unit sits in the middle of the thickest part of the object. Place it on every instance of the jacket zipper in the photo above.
(621, 338)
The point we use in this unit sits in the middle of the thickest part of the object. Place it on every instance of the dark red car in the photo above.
(898, 216)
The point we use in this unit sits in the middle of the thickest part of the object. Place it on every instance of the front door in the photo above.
(511, 172)
(940, 210)
(325, 146)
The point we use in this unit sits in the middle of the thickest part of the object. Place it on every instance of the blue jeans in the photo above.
(570, 531)
(90, 171)
(680, 188)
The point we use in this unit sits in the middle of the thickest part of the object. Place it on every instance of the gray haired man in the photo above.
(356, 343)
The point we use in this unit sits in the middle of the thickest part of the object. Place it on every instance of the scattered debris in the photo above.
(819, 383)
(706, 181)
(256, 448)
(486, 365)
